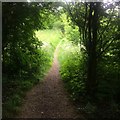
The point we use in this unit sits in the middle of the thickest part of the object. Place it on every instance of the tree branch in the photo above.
(101, 34)
(85, 28)
(105, 48)
(70, 12)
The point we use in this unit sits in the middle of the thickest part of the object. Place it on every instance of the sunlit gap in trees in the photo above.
(28, 1)
(110, 1)
(31, 1)
(104, 1)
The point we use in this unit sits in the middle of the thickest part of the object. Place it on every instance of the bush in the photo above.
(72, 69)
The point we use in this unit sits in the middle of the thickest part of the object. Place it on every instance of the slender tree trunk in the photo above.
(92, 60)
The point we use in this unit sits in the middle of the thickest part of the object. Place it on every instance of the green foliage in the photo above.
(99, 37)
(71, 70)
(12, 105)
(27, 53)
(21, 49)
(49, 38)
(49, 41)
(71, 31)
(72, 34)
(108, 79)
(59, 25)
(24, 61)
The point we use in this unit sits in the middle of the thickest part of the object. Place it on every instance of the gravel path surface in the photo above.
(49, 98)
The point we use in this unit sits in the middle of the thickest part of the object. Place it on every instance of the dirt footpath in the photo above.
(49, 99)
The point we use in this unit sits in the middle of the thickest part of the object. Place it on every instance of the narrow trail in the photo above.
(49, 99)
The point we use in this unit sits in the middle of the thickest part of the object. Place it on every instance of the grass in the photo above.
(13, 93)
(49, 37)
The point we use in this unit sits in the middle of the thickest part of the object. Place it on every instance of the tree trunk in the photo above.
(92, 60)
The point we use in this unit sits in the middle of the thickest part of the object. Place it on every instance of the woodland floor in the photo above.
(49, 99)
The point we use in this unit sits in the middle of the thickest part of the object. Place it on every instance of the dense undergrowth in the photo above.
(15, 88)
(73, 72)
(27, 53)
(71, 69)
